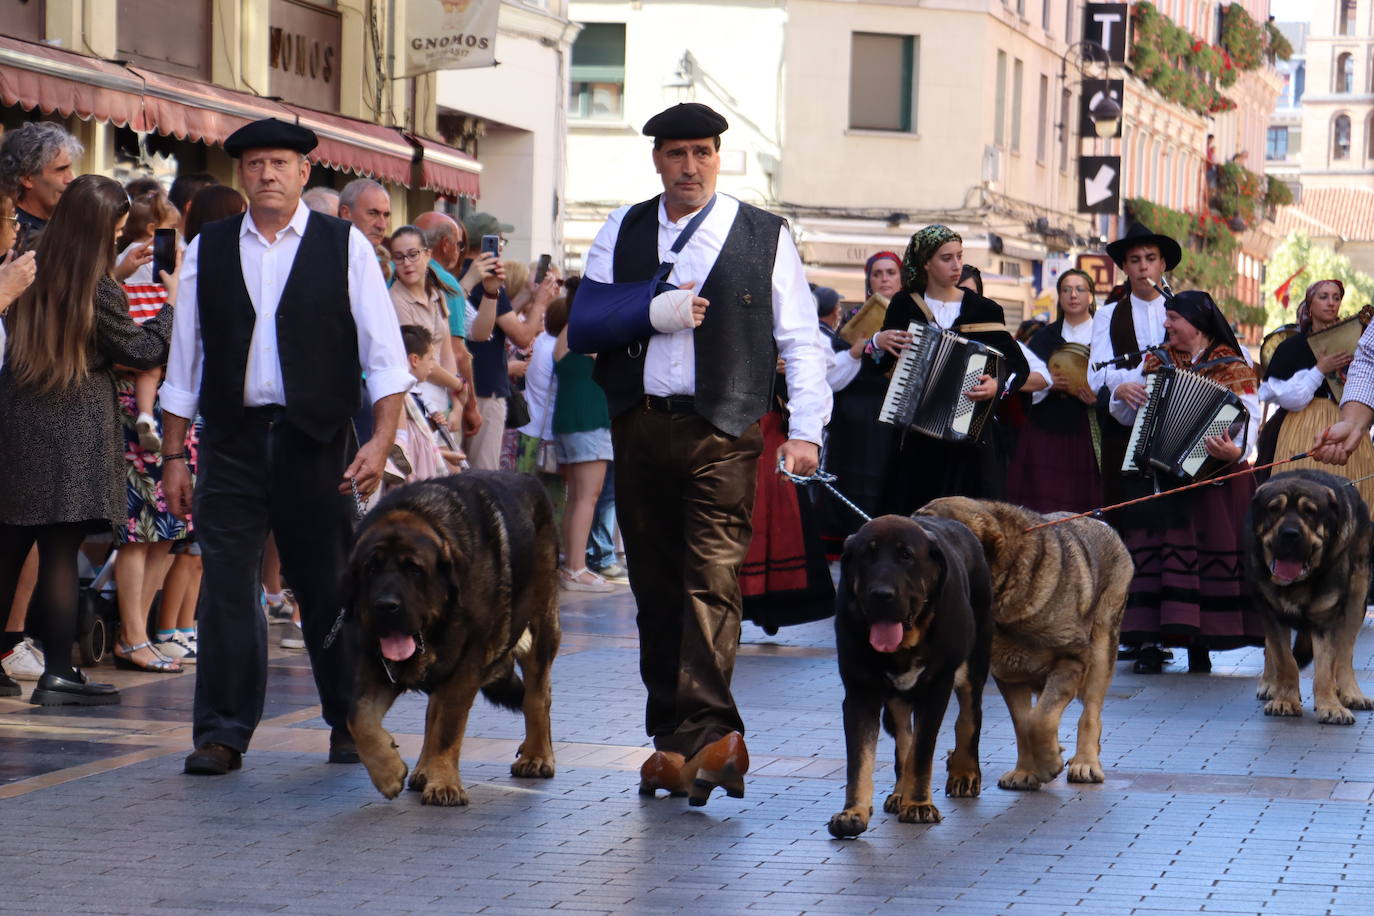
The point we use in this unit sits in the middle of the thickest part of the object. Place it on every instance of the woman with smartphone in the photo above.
(60, 443)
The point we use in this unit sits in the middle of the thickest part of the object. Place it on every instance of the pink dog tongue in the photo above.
(1287, 570)
(885, 636)
(398, 648)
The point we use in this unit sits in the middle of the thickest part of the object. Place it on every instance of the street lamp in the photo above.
(1104, 111)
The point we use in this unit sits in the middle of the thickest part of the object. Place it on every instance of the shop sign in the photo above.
(303, 54)
(449, 35)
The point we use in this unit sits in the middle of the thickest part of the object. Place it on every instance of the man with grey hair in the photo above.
(35, 168)
(367, 205)
(322, 200)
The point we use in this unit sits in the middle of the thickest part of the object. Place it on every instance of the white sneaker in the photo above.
(293, 638)
(178, 648)
(24, 662)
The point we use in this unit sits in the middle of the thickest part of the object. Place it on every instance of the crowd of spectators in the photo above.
(81, 429)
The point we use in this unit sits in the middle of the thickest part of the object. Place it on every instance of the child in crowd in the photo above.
(417, 455)
(147, 296)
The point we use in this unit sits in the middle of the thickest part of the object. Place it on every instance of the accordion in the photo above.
(929, 387)
(1183, 409)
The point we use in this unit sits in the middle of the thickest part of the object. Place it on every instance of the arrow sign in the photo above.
(1098, 184)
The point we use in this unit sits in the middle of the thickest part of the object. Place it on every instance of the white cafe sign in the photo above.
(449, 34)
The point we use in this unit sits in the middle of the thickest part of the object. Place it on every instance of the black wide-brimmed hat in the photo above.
(270, 133)
(686, 121)
(1138, 235)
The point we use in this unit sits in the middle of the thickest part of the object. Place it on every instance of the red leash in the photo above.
(1094, 513)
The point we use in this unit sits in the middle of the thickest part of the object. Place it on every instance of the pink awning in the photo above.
(447, 170)
(37, 76)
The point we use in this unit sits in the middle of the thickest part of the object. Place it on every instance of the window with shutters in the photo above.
(597, 72)
(882, 81)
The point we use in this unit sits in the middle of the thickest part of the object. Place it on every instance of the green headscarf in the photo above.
(921, 249)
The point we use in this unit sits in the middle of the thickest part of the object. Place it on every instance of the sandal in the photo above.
(573, 582)
(160, 665)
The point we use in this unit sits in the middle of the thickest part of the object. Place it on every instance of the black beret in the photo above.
(270, 133)
(686, 121)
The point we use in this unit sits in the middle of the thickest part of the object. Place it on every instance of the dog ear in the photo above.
(941, 563)
(453, 565)
(1333, 500)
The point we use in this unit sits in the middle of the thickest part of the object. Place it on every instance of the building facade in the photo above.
(1321, 140)
(155, 86)
(862, 121)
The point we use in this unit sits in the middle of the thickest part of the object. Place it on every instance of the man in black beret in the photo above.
(1133, 321)
(685, 406)
(281, 306)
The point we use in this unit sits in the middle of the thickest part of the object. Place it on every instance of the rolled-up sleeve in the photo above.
(180, 391)
(380, 350)
(1359, 383)
(797, 332)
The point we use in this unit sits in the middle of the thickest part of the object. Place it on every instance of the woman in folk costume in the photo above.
(1189, 588)
(1057, 464)
(857, 446)
(785, 579)
(924, 468)
(1298, 380)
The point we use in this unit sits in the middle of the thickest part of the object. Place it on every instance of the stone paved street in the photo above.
(1208, 807)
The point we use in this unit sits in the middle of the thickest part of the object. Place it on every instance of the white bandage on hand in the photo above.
(672, 311)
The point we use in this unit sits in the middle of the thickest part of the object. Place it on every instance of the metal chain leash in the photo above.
(825, 479)
(359, 510)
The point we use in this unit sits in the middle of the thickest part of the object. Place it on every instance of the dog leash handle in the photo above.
(825, 479)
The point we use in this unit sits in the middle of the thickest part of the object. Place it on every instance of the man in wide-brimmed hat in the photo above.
(1134, 321)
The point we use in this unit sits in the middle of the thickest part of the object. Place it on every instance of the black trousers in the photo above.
(685, 501)
(267, 476)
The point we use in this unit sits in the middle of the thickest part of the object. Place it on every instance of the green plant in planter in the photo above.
(1277, 193)
(1278, 45)
(1243, 37)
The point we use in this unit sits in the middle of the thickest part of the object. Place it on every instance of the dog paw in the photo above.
(1356, 701)
(1019, 780)
(964, 785)
(1048, 768)
(1277, 707)
(445, 794)
(849, 822)
(389, 776)
(893, 803)
(924, 813)
(533, 767)
(1265, 691)
(1335, 715)
(1085, 771)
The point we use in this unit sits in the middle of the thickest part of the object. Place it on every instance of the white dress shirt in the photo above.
(266, 267)
(1148, 319)
(945, 313)
(670, 360)
(1292, 393)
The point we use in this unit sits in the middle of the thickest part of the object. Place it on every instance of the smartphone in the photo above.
(542, 270)
(164, 253)
(492, 244)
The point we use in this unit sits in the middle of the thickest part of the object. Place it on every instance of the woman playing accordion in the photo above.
(1303, 378)
(924, 468)
(1187, 548)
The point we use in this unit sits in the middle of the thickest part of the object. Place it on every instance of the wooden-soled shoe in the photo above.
(663, 770)
(721, 763)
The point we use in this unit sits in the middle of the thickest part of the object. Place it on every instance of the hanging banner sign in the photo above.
(449, 35)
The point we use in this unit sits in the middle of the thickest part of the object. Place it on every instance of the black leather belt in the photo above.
(267, 412)
(676, 403)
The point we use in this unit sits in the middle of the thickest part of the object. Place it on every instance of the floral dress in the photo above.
(149, 519)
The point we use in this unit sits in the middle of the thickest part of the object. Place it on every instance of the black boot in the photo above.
(1199, 660)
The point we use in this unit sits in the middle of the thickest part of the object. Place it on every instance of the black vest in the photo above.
(736, 355)
(317, 339)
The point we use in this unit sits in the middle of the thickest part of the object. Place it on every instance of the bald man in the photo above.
(445, 240)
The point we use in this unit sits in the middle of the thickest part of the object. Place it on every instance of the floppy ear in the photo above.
(1333, 500)
(942, 564)
(453, 565)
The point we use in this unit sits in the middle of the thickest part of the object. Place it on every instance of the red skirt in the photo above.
(785, 579)
(1055, 472)
(1189, 587)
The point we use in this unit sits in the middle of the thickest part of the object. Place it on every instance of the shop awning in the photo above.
(446, 170)
(54, 80)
